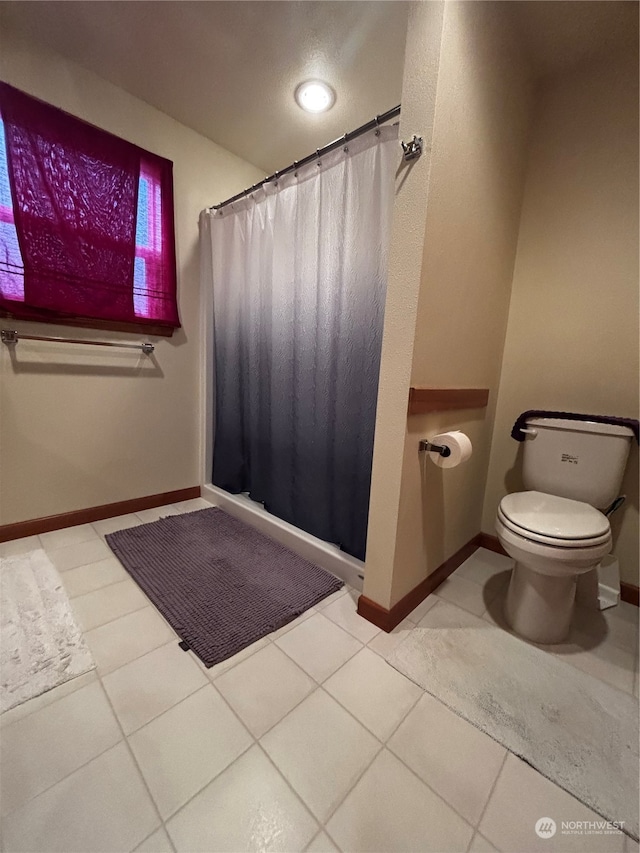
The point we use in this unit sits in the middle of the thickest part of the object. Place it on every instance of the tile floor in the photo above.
(307, 740)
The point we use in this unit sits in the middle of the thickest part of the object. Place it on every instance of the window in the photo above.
(86, 223)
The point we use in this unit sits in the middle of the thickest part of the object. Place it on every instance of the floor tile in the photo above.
(86, 579)
(331, 598)
(156, 513)
(392, 810)
(446, 615)
(521, 797)
(319, 646)
(321, 750)
(417, 613)
(384, 644)
(465, 593)
(19, 546)
(322, 844)
(483, 565)
(481, 845)
(343, 612)
(192, 505)
(103, 806)
(80, 554)
(120, 522)
(605, 661)
(456, 759)
(109, 603)
(375, 693)
(68, 536)
(248, 807)
(158, 842)
(213, 672)
(127, 638)
(48, 698)
(631, 845)
(264, 687)
(185, 748)
(150, 685)
(294, 623)
(43, 748)
(617, 625)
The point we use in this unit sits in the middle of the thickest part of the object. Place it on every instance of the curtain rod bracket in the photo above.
(413, 149)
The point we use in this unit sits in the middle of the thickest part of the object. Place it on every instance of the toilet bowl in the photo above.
(572, 467)
(552, 540)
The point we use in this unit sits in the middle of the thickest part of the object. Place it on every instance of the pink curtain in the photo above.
(74, 190)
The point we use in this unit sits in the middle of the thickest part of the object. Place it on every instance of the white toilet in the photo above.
(554, 531)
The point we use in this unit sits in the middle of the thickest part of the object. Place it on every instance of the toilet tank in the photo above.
(581, 460)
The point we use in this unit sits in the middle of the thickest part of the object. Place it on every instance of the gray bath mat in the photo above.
(573, 728)
(41, 645)
(220, 584)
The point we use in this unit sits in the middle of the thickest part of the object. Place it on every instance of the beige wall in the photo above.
(422, 60)
(466, 258)
(80, 427)
(572, 340)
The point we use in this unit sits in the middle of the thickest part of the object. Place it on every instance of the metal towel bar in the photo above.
(10, 336)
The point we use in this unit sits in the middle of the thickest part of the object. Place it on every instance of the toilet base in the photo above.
(539, 607)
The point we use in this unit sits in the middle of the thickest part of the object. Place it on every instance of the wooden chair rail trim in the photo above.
(425, 400)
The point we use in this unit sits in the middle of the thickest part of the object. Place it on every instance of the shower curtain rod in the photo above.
(320, 152)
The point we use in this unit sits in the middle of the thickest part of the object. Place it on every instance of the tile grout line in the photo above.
(135, 763)
(492, 790)
(4, 726)
(255, 742)
(199, 791)
(191, 693)
(97, 589)
(102, 624)
(58, 781)
(297, 795)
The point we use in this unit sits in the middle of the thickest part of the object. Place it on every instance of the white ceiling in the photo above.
(229, 69)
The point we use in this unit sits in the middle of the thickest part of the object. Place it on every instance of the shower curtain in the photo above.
(299, 273)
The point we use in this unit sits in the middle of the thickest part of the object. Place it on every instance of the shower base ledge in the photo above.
(317, 551)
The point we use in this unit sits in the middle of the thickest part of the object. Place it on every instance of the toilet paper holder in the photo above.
(434, 448)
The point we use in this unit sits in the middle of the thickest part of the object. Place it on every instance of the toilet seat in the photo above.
(552, 520)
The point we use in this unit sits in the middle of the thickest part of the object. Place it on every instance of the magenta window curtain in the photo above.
(74, 191)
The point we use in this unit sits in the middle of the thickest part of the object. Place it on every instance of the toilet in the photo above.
(556, 530)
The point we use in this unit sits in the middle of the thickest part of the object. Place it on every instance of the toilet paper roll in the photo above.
(458, 443)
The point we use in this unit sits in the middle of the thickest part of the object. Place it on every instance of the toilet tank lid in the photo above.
(581, 426)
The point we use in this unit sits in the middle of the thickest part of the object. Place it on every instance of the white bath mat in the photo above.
(41, 645)
(573, 728)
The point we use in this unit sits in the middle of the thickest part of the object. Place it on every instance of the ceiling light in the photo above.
(314, 96)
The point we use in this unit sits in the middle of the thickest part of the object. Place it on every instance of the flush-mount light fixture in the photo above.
(314, 96)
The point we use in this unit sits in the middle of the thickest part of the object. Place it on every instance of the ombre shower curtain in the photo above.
(299, 275)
